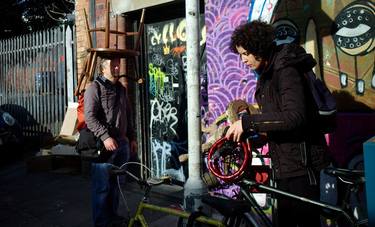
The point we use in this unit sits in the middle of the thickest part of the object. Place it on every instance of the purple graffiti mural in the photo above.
(228, 78)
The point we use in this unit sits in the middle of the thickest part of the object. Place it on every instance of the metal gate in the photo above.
(36, 79)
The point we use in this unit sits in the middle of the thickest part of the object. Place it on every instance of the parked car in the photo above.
(11, 138)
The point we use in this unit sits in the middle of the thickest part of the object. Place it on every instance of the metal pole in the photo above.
(69, 64)
(194, 186)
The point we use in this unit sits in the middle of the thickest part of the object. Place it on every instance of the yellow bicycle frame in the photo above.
(179, 213)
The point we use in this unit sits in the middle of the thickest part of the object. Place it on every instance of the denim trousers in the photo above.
(105, 191)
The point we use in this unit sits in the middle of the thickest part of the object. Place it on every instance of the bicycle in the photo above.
(353, 181)
(229, 162)
(138, 219)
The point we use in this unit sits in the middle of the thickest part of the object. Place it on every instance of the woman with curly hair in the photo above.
(297, 147)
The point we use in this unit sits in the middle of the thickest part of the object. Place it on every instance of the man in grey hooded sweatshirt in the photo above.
(108, 115)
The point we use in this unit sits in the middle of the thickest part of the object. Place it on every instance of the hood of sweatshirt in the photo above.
(290, 55)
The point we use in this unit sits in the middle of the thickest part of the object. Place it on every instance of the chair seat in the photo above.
(110, 53)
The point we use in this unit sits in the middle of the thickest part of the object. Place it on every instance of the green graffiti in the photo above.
(157, 78)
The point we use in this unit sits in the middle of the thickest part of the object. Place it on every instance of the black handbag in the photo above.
(91, 147)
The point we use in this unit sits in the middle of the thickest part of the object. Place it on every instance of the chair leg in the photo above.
(91, 70)
(132, 61)
(107, 25)
(82, 76)
(87, 73)
(87, 27)
(136, 67)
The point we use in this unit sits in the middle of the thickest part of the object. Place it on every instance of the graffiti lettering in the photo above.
(184, 63)
(157, 59)
(157, 78)
(168, 95)
(164, 117)
(172, 68)
(168, 33)
(171, 33)
(161, 154)
(160, 150)
(155, 36)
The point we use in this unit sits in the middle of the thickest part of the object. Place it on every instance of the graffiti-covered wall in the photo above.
(339, 34)
(227, 77)
(166, 58)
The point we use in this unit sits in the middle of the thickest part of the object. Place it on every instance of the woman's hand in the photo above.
(235, 131)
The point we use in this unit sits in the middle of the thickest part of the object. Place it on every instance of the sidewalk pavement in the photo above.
(53, 199)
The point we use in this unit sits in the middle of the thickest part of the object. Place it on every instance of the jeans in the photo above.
(105, 192)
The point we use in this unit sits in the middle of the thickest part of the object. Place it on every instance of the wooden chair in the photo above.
(88, 70)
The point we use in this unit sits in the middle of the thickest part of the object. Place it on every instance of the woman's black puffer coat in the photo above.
(289, 115)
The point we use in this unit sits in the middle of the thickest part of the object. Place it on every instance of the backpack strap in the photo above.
(98, 89)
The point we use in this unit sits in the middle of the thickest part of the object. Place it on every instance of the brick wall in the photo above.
(81, 37)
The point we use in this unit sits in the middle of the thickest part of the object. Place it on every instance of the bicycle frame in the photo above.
(144, 205)
(303, 199)
(238, 155)
(178, 213)
(263, 217)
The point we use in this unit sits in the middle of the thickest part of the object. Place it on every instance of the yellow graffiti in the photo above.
(166, 49)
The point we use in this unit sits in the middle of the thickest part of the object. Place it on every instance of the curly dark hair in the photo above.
(256, 37)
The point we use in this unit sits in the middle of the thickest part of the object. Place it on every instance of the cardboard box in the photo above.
(68, 127)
